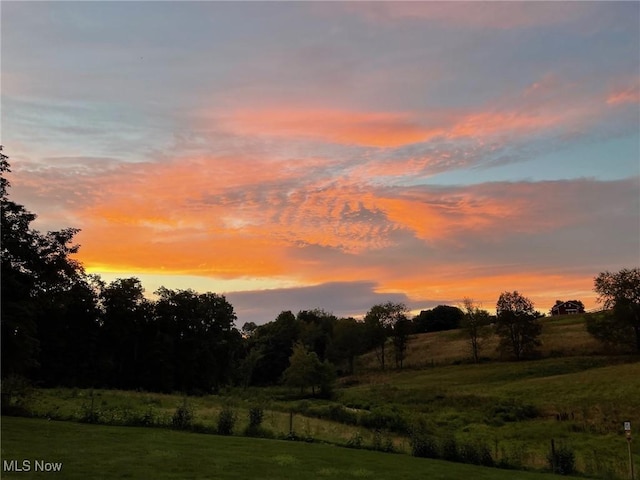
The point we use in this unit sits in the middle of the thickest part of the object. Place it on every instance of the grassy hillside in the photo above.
(574, 395)
(561, 336)
(102, 452)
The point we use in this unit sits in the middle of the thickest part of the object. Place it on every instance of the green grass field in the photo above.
(574, 395)
(105, 452)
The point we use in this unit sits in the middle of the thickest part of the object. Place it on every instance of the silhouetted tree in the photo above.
(206, 344)
(442, 317)
(126, 311)
(35, 269)
(379, 322)
(69, 329)
(517, 325)
(305, 370)
(619, 291)
(402, 328)
(349, 341)
(316, 330)
(475, 324)
(274, 342)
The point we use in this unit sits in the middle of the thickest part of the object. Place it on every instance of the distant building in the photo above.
(571, 307)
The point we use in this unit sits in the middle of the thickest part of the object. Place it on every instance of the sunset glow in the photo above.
(332, 155)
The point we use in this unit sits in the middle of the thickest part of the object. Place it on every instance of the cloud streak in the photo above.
(422, 151)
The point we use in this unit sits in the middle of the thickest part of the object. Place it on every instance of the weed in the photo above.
(183, 416)
(226, 421)
(561, 459)
(355, 441)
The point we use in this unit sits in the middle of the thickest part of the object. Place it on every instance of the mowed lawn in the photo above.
(104, 452)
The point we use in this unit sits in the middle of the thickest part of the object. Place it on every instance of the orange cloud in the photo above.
(474, 14)
(625, 95)
(394, 129)
(485, 124)
(430, 243)
(455, 282)
(377, 129)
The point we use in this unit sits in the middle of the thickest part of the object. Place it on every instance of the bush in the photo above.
(617, 336)
(450, 449)
(183, 417)
(382, 442)
(423, 444)
(510, 411)
(476, 454)
(355, 441)
(562, 460)
(256, 415)
(383, 418)
(17, 393)
(255, 428)
(226, 421)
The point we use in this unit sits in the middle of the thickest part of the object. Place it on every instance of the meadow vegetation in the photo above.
(101, 452)
(441, 405)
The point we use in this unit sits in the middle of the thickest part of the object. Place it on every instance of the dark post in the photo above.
(291, 424)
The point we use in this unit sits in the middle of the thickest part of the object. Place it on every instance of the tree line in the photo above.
(62, 326)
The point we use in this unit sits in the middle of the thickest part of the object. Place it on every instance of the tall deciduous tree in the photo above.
(348, 341)
(517, 325)
(205, 342)
(475, 324)
(306, 370)
(126, 311)
(379, 321)
(619, 291)
(402, 328)
(274, 341)
(442, 317)
(36, 267)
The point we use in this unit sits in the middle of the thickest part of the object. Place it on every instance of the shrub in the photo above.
(17, 393)
(450, 449)
(561, 460)
(355, 441)
(383, 418)
(422, 442)
(510, 411)
(423, 445)
(183, 417)
(382, 442)
(256, 415)
(226, 421)
(89, 414)
(476, 454)
(255, 428)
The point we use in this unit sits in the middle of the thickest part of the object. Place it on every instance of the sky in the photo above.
(334, 155)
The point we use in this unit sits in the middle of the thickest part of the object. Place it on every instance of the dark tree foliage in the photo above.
(347, 343)
(126, 311)
(442, 317)
(69, 327)
(273, 343)
(475, 324)
(37, 275)
(620, 292)
(379, 323)
(316, 330)
(402, 328)
(517, 325)
(61, 326)
(202, 337)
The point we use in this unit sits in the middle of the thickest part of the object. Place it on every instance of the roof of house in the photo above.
(567, 304)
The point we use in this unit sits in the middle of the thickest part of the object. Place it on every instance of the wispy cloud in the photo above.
(425, 151)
